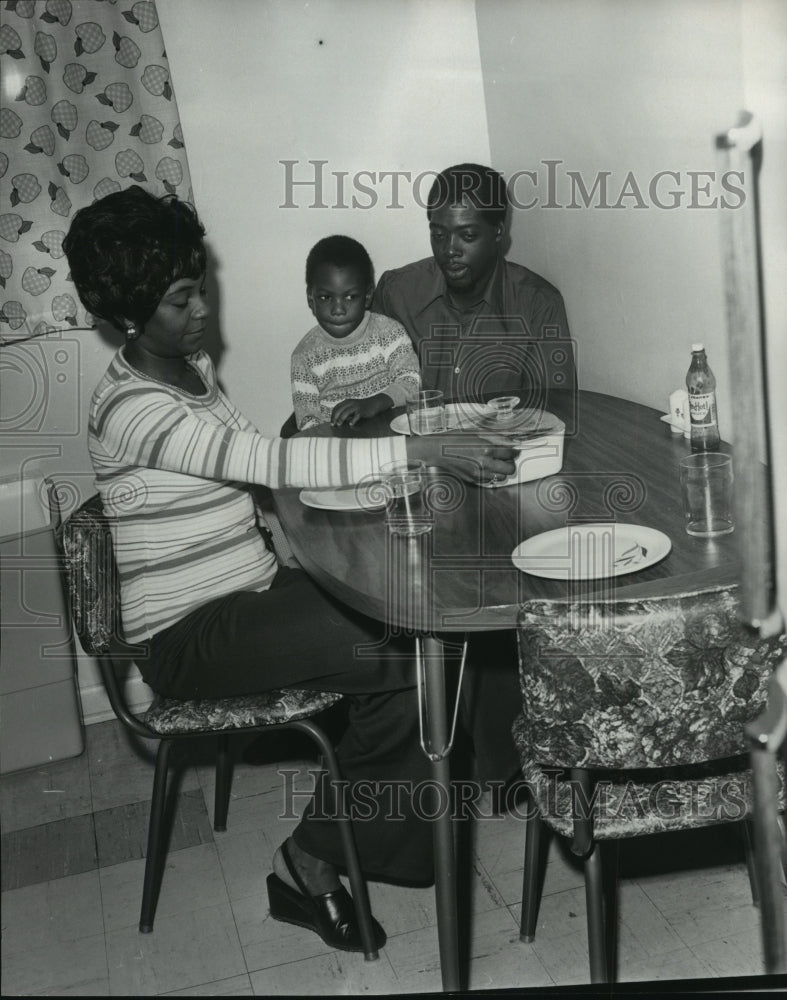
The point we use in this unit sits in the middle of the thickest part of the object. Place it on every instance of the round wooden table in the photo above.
(620, 465)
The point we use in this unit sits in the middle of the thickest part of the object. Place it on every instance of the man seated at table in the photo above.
(482, 326)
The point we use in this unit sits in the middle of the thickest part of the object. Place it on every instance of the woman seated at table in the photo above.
(198, 586)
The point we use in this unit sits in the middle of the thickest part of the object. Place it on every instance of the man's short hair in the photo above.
(340, 251)
(483, 187)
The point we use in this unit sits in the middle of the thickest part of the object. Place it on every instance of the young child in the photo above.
(354, 363)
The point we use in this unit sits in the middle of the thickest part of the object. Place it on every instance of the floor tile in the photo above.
(402, 908)
(122, 832)
(51, 913)
(237, 986)
(250, 813)
(245, 862)
(414, 955)
(122, 765)
(251, 779)
(643, 930)
(561, 936)
(192, 880)
(263, 799)
(267, 942)
(705, 905)
(338, 973)
(508, 965)
(45, 794)
(739, 955)
(51, 851)
(76, 968)
(501, 846)
(189, 948)
(500, 841)
(679, 965)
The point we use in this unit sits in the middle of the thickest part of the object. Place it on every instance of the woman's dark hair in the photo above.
(484, 188)
(340, 251)
(127, 248)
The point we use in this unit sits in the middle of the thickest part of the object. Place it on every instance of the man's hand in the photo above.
(352, 410)
(465, 455)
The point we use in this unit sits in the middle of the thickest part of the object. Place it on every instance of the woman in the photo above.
(199, 588)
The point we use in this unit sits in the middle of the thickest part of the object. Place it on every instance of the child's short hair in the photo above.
(340, 251)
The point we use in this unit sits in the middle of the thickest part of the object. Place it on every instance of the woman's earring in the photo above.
(131, 332)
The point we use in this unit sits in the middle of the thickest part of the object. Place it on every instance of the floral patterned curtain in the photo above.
(86, 108)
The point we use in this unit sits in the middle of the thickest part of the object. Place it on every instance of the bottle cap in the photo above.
(698, 347)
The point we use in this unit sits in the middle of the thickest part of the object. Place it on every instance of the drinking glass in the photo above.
(426, 413)
(403, 486)
(503, 407)
(706, 489)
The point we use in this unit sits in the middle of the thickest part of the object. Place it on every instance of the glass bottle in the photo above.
(701, 384)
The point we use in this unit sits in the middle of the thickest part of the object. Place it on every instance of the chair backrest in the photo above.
(94, 594)
(649, 683)
(91, 575)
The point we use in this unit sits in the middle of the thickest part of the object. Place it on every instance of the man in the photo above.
(482, 325)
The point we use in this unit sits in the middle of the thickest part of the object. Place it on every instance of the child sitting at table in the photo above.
(354, 363)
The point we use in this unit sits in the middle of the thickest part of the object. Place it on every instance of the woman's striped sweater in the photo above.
(172, 469)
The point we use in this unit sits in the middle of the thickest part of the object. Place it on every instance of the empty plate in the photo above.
(344, 498)
(591, 551)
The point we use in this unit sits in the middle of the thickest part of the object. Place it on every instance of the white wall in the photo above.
(639, 87)
(384, 86)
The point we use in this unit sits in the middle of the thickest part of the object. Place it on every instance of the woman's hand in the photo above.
(465, 455)
(352, 410)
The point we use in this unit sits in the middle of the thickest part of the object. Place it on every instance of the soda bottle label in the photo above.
(702, 408)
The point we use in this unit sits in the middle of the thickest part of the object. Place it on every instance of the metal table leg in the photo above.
(438, 735)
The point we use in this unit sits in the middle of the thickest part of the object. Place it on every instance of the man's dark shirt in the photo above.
(514, 340)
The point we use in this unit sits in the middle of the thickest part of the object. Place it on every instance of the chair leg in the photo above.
(594, 901)
(527, 924)
(769, 858)
(748, 847)
(155, 836)
(783, 841)
(221, 798)
(354, 874)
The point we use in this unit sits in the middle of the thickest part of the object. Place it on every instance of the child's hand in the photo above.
(352, 410)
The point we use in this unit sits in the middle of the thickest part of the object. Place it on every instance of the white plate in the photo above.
(459, 415)
(591, 551)
(344, 498)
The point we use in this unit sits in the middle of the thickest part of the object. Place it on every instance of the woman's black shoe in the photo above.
(331, 915)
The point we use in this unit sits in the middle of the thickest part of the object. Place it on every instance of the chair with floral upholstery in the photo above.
(633, 723)
(91, 576)
(767, 739)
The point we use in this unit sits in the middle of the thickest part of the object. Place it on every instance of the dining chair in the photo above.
(92, 585)
(767, 739)
(632, 723)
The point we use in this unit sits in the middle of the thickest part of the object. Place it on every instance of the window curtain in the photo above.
(87, 108)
